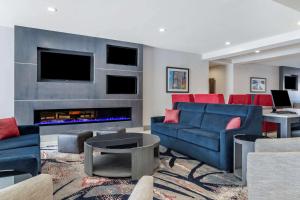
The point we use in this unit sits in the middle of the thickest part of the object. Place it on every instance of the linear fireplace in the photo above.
(86, 115)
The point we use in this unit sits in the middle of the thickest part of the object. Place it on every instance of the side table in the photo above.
(243, 144)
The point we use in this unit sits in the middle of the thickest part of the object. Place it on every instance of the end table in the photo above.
(243, 144)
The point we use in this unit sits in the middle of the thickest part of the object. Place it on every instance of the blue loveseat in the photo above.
(201, 132)
(22, 153)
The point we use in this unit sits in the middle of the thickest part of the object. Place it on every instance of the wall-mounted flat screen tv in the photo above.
(61, 65)
(121, 55)
(121, 84)
(291, 82)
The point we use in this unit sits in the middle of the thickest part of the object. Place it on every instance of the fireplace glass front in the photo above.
(86, 115)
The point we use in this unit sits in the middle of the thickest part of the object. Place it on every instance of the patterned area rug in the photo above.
(178, 177)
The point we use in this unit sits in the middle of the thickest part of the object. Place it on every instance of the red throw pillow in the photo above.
(171, 116)
(8, 128)
(234, 123)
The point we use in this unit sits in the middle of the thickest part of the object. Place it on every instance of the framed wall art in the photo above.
(258, 85)
(177, 80)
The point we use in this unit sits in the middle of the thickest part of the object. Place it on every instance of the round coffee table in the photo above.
(121, 155)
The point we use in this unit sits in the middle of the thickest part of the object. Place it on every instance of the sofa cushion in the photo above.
(171, 116)
(216, 122)
(234, 123)
(191, 114)
(203, 138)
(19, 142)
(226, 109)
(18, 152)
(217, 116)
(193, 107)
(8, 128)
(191, 118)
(168, 129)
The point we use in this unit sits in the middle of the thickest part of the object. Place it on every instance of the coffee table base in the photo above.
(138, 163)
(112, 165)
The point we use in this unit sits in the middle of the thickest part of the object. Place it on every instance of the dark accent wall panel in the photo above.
(30, 94)
(294, 95)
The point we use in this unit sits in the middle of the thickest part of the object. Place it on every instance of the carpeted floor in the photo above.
(178, 177)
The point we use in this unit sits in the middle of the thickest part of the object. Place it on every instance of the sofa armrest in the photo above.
(157, 119)
(226, 147)
(29, 129)
(278, 145)
(254, 120)
(251, 126)
(36, 188)
(143, 190)
(273, 176)
(29, 163)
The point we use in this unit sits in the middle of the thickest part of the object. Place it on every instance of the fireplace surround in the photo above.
(32, 96)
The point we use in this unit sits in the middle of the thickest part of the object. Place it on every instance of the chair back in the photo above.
(263, 100)
(209, 98)
(243, 99)
(182, 98)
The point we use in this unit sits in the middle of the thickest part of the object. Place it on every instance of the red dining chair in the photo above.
(265, 100)
(209, 98)
(244, 99)
(182, 98)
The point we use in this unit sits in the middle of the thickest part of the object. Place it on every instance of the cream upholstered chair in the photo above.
(273, 170)
(36, 188)
(41, 188)
(143, 190)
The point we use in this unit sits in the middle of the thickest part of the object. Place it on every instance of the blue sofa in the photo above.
(201, 132)
(22, 153)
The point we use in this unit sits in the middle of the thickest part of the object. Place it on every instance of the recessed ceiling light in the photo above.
(162, 30)
(257, 51)
(52, 9)
(227, 43)
(298, 23)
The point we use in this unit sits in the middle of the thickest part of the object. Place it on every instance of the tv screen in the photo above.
(291, 82)
(64, 65)
(121, 55)
(281, 99)
(121, 84)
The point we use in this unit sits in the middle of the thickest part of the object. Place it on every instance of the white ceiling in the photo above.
(196, 26)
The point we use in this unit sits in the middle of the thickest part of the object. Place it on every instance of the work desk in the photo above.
(284, 121)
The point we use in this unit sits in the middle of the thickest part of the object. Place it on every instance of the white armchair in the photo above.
(36, 188)
(143, 190)
(273, 170)
(41, 188)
